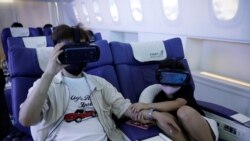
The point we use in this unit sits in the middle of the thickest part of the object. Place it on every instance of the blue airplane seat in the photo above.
(16, 32)
(134, 76)
(24, 70)
(47, 31)
(104, 66)
(19, 42)
(40, 30)
(93, 37)
(98, 36)
(140, 74)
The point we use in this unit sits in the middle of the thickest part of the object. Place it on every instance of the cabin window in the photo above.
(6, 1)
(113, 10)
(225, 9)
(97, 11)
(171, 9)
(136, 10)
(76, 14)
(85, 13)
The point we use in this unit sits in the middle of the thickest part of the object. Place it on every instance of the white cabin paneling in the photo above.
(32, 13)
(220, 93)
(198, 22)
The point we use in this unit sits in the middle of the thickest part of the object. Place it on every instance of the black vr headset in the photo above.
(79, 52)
(172, 77)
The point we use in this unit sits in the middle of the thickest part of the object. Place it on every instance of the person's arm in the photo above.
(129, 113)
(165, 106)
(31, 109)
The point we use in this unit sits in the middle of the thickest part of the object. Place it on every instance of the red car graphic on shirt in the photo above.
(79, 115)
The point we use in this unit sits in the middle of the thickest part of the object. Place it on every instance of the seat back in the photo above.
(135, 76)
(24, 42)
(16, 32)
(47, 31)
(24, 70)
(30, 42)
(98, 36)
(104, 66)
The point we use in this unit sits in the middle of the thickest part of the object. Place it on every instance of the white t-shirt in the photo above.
(75, 126)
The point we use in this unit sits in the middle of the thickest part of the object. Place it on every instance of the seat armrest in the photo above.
(135, 133)
(216, 109)
(223, 112)
(232, 125)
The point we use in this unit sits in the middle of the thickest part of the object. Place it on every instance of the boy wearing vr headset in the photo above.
(68, 104)
(174, 109)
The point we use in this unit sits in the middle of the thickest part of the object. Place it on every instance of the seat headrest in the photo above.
(35, 42)
(105, 55)
(149, 51)
(29, 56)
(19, 32)
(124, 54)
(28, 61)
(33, 61)
(30, 42)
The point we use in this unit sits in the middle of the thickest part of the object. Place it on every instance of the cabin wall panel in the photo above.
(33, 13)
(223, 58)
(7, 17)
(215, 94)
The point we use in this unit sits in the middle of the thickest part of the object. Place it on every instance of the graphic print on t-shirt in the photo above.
(80, 121)
(85, 110)
(80, 105)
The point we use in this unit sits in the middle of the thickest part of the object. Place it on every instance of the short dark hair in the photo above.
(16, 24)
(64, 32)
(48, 26)
(172, 64)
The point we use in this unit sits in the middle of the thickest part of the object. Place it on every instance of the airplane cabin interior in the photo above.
(210, 37)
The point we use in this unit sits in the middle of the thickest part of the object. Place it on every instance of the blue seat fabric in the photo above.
(135, 76)
(6, 33)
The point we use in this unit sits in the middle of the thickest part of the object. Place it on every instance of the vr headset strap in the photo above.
(76, 34)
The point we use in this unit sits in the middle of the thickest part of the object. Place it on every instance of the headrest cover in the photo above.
(43, 56)
(149, 51)
(19, 32)
(35, 42)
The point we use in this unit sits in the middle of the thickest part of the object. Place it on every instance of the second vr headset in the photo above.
(172, 77)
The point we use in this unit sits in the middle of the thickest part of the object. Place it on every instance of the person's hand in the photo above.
(166, 122)
(54, 66)
(137, 107)
(182, 101)
(142, 117)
